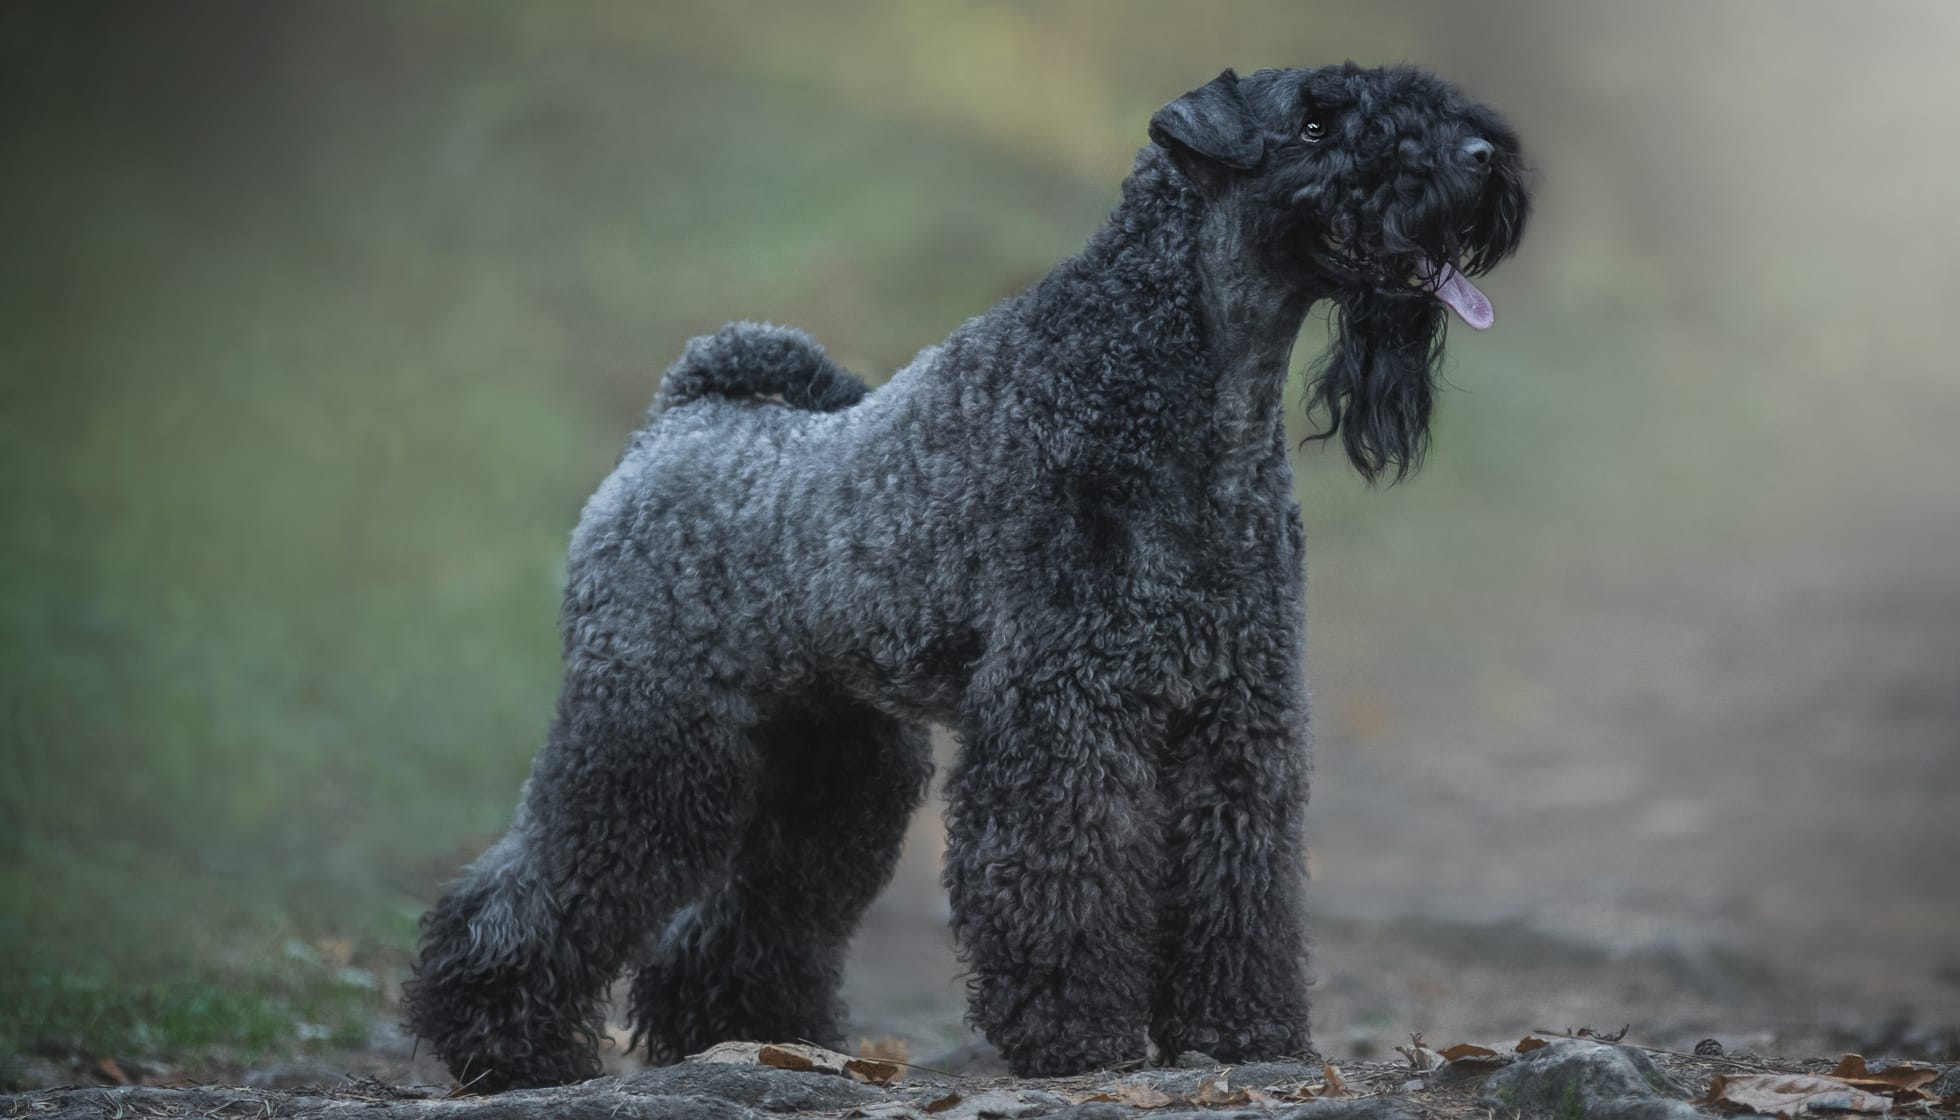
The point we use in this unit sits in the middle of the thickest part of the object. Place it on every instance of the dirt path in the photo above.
(1730, 819)
(1560, 1076)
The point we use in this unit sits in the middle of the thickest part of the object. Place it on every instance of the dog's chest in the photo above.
(1190, 593)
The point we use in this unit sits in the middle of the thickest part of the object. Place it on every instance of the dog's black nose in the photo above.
(1478, 150)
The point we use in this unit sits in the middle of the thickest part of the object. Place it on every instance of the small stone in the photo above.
(1576, 1077)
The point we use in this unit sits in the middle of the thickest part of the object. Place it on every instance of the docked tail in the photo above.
(759, 361)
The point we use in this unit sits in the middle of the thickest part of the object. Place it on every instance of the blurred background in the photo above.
(318, 321)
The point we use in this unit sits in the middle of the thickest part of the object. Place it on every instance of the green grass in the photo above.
(193, 1021)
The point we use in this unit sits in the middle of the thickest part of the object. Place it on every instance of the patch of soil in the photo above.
(1562, 1077)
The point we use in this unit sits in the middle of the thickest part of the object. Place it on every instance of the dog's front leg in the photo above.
(1233, 926)
(1052, 860)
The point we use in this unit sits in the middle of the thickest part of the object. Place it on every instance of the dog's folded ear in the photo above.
(1211, 122)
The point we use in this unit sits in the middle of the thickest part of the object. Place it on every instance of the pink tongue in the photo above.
(1463, 297)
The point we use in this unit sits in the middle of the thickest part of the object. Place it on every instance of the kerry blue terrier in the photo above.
(1069, 533)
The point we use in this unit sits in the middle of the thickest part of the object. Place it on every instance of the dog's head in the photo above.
(1383, 190)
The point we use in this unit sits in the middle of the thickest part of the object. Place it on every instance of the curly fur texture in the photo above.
(1069, 533)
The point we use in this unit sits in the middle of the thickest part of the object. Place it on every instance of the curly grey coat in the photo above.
(1069, 533)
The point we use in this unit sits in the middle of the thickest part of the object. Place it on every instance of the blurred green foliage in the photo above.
(112, 1013)
(304, 387)
(318, 322)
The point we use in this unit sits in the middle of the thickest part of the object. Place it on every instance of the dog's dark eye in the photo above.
(1311, 131)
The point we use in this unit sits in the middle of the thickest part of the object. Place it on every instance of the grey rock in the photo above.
(133, 1100)
(590, 1101)
(764, 1087)
(1004, 1104)
(887, 1110)
(1262, 1075)
(1367, 1108)
(1180, 1082)
(1455, 1074)
(1648, 1108)
(1573, 1078)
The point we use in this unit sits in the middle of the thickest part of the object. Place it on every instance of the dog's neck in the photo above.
(1188, 259)
(1251, 320)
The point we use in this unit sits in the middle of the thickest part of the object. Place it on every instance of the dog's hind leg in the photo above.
(632, 808)
(760, 957)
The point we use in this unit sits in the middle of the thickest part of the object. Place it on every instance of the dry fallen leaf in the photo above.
(1469, 1055)
(871, 1071)
(1789, 1095)
(799, 1056)
(1421, 1058)
(1903, 1081)
(943, 1103)
(1143, 1094)
(1217, 1092)
(1336, 1084)
(110, 1069)
(729, 1053)
(1851, 1065)
(1531, 1042)
(791, 1056)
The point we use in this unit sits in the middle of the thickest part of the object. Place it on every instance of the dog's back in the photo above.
(765, 492)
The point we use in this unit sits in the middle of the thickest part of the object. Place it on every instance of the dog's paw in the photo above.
(1240, 1042)
(1062, 1057)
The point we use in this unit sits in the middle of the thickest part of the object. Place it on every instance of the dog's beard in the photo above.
(1377, 382)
